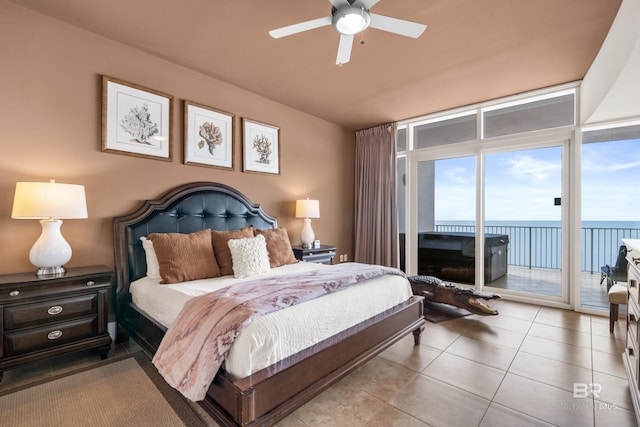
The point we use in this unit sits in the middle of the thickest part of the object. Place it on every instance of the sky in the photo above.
(522, 185)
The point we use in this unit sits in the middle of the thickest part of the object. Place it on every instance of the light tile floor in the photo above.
(515, 369)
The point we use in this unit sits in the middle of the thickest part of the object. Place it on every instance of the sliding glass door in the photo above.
(610, 173)
(523, 221)
(485, 195)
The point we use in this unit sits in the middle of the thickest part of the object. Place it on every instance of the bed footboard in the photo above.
(274, 392)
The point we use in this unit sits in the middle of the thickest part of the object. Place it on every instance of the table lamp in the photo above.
(50, 202)
(307, 209)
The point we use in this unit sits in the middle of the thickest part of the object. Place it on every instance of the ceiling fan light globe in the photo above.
(351, 20)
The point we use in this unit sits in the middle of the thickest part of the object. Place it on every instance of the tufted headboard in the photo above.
(185, 209)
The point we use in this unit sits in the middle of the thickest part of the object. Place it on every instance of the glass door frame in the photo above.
(570, 215)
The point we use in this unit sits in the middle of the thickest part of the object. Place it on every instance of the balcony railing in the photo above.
(541, 247)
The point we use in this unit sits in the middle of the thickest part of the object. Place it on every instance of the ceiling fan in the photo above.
(350, 17)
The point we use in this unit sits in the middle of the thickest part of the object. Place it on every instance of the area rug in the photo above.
(435, 312)
(122, 392)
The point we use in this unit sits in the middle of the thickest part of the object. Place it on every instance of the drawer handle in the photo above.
(632, 283)
(632, 318)
(56, 309)
(630, 350)
(90, 283)
(54, 335)
(14, 293)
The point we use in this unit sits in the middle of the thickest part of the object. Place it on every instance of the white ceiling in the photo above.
(472, 51)
(611, 88)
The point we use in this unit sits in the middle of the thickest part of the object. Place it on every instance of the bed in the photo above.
(273, 392)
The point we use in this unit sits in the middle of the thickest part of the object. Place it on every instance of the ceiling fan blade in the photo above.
(340, 3)
(369, 3)
(398, 26)
(344, 49)
(300, 27)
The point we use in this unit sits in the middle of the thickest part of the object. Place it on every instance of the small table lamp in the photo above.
(307, 209)
(50, 202)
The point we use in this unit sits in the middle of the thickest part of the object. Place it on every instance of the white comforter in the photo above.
(280, 334)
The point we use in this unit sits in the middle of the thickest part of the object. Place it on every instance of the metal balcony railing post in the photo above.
(530, 246)
(591, 267)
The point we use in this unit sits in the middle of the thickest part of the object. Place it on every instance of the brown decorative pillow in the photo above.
(219, 240)
(278, 246)
(184, 257)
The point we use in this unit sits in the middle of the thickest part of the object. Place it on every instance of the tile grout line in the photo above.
(491, 402)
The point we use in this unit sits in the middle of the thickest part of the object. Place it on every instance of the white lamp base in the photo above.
(51, 251)
(307, 236)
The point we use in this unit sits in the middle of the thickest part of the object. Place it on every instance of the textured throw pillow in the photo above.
(221, 249)
(278, 247)
(249, 256)
(184, 257)
(153, 269)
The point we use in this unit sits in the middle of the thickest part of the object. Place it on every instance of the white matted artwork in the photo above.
(209, 135)
(260, 147)
(136, 121)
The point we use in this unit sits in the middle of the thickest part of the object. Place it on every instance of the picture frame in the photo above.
(260, 147)
(136, 121)
(208, 136)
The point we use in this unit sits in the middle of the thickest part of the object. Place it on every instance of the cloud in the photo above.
(624, 165)
(461, 175)
(529, 168)
(606, 157)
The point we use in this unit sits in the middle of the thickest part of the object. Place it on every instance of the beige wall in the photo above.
(50, 107)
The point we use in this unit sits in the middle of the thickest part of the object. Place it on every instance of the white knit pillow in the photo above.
(249, 256)
(153, 267)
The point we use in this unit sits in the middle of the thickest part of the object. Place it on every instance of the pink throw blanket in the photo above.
(195, 345)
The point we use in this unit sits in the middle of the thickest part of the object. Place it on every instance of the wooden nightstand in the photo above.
(322, 255)
(42, 317)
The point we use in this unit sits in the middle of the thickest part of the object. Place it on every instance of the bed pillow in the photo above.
(221, 248)
(153, 269)
(249, 256)
(184, 257)
(278, 246)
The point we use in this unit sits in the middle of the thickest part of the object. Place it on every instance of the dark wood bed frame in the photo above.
(276, 391)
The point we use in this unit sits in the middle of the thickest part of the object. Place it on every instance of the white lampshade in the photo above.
(307, 208)
(50, 202)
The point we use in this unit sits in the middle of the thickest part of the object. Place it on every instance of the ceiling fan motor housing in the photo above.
(350, 20)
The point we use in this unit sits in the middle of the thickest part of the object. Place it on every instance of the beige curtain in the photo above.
(376, 215)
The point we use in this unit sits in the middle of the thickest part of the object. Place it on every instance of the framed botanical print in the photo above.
(209, 134)
(260, 147)
(136, 121)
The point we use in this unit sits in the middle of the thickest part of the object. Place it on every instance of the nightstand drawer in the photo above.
(633, 281)
(16, 343)
(323, 258)
(323, 254)
(20, 287)
(632, 354)
(21, 316)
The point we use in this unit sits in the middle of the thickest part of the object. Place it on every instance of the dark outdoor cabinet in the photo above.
(451, 256)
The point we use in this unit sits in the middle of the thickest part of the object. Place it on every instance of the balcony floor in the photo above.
(543, 281)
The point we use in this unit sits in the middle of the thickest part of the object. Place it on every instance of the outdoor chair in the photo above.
(617, 273)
